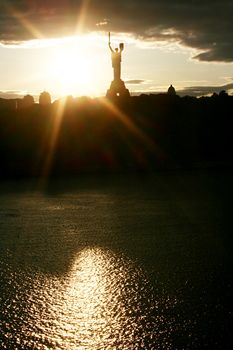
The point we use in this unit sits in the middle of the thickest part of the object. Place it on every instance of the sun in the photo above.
(73, 70)
(76, 66)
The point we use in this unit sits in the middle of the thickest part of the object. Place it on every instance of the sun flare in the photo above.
(72, 71)
(74, 68)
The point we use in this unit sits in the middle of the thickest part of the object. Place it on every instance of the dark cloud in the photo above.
(204, 25)
(197, 91)
(135, 81)
(204, 90)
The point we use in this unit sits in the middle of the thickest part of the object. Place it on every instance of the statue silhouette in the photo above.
(116, 60)
(117, 87)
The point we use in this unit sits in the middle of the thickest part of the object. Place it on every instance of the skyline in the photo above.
(62, 47)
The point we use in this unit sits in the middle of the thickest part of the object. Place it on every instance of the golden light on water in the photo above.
(92, 301)
(103, 302)
(64, 291)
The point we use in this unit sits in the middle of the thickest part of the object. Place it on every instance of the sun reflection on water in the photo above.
(103, 302)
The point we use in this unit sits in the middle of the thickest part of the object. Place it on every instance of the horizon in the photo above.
(9, 95)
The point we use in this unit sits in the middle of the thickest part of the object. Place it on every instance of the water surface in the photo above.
(124, 262)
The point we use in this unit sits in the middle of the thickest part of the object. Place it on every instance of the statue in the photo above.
(116, 59)
(117, 87)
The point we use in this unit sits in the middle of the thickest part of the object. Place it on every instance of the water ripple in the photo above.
(104, 301)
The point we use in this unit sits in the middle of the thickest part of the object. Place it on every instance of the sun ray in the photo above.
(51, 148)
(23, 20)
(150, 144)
(132, 127)
(82, 16)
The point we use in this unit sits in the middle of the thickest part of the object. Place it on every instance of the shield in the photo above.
(121, 46)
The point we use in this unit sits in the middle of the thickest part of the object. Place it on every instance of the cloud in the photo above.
(198, 91)
(206, 26)
(204, 90)
(11, 94)
(135, 81)
(195, 91)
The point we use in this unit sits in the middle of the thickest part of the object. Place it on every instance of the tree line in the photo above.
(138, 133)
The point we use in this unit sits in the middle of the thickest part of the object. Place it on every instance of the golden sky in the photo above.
(62, 46)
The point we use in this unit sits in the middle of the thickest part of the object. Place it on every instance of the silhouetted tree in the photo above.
(140, 132)
(215, 95)
(223, 93)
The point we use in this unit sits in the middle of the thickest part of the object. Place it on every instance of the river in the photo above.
(117, 262)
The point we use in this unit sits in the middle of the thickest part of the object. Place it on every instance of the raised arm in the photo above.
(121, 47)
(109, 42)
(109, 45)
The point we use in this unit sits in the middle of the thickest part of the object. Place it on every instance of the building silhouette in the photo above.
(27, 101)
(45, 98)
(171, 90)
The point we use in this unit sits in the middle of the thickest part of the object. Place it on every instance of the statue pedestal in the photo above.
(117, 88)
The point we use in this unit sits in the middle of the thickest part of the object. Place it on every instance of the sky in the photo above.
(61, 46)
